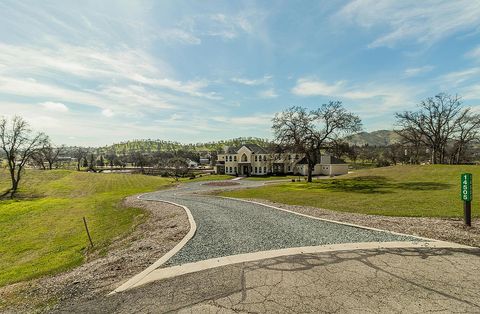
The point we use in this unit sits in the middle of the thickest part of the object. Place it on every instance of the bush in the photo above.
(382, 163)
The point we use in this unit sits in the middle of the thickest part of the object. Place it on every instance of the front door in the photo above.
(245, 170)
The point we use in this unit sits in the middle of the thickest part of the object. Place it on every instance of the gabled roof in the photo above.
(255, 148)
(252, 147)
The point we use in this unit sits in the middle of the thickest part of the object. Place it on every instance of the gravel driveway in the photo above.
(228, 227)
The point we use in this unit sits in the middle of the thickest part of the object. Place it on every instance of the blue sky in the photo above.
(98, 72)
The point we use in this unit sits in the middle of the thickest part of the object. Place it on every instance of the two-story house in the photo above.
(252, 159)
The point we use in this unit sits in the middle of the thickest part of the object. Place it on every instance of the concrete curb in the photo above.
(193, 228)
(188, 268)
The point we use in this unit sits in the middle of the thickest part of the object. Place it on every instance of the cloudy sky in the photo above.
(97, 72)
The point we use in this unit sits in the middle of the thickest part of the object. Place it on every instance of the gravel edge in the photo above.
(445, 229)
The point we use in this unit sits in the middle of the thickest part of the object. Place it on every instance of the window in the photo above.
(289, 157)
(289, 168)
(265, 169)
(231, 169)
(256, 158)
(264, 157)
(255, 169)
(259, 169)
(235, 158)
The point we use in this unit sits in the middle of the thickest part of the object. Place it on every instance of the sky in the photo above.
(99, 72)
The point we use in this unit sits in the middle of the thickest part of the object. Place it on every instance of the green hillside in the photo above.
(375, 138)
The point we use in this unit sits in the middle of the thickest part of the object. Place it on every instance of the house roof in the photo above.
(252, 147)
(255, 148)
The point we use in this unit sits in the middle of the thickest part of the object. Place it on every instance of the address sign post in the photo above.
(466, 196)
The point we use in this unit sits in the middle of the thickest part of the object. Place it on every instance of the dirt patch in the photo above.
(221, 183)
(165, 226)
(446, 229)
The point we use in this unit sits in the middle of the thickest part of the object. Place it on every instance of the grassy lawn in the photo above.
(42, 232)
(430, 191)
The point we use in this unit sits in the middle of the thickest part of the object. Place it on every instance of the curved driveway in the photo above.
(228, 227)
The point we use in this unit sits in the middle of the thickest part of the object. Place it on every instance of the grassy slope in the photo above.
(43, 233)
(429, 191)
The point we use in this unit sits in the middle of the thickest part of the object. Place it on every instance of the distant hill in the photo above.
(375, 138)
(149, 145)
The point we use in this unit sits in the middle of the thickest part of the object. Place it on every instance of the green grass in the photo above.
(428, 191)
(42, 231)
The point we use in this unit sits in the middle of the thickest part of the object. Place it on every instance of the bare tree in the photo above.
(39, 160)
(467, 132)
(80, 154)
(309, 131)
(413, 141)
(438, 121)
(51, 154)
(177, 167)
(435, 121)
(19, 144)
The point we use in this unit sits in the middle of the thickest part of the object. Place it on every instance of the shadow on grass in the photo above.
(378, 185)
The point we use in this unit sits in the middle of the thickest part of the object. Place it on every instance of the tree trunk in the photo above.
(14, 188)
(309, 173)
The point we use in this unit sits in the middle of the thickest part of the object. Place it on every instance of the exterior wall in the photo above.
(332, 169)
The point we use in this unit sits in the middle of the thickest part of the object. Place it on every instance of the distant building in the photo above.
(204, 161)
(252, 159)
(192, 164)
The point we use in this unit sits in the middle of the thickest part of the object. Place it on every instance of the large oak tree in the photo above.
(308, 131)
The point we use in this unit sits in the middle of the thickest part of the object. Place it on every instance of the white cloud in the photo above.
(471, 92)
(410, 72)
(423, 22)
(180, 36)
(252, 82)
(127, 81)
(54, 106)
(457, 77)
(312, 87)
(374, 97)
(474, 53)
(108, 113)
(268, 93)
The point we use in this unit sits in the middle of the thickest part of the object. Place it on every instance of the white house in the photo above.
(252, 159)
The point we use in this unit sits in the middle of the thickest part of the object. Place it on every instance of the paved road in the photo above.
(228, 227)
(368, 281)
